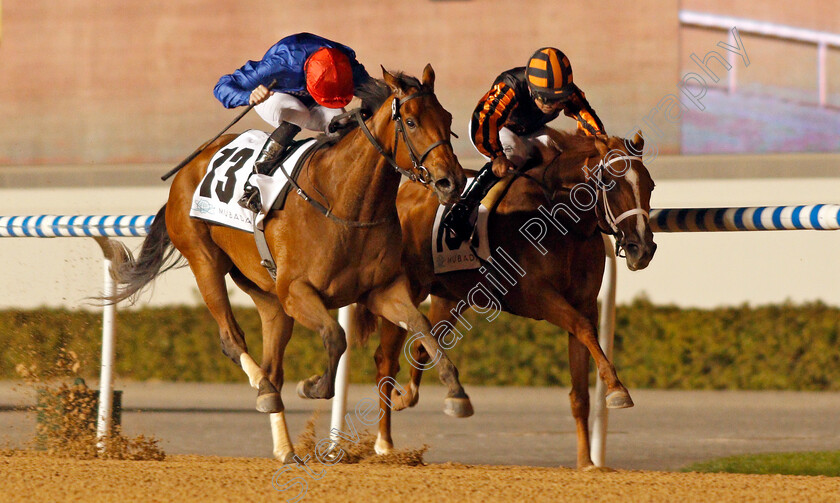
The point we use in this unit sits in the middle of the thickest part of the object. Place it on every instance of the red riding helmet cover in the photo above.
(329, 77)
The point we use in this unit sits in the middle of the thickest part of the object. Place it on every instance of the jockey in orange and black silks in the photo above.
(512, 115)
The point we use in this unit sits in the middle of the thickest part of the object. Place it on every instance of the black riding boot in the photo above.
(458, 218)
(270, 153)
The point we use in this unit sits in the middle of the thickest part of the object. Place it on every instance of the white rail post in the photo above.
(606, 332)
(339, 404)
(733, 64)
(822, 49)
(111, 251)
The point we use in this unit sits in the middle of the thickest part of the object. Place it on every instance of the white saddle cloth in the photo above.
(216, 198)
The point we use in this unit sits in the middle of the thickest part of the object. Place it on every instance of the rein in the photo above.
(419, 174)
(609, 216)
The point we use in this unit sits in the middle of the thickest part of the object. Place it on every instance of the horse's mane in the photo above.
(373, 94)
(571, 143)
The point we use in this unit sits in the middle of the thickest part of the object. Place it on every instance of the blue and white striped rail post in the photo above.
(99, 228)
(755, 218)
(751, 218)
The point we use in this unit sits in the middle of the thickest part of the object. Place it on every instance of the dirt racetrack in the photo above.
(32, 478)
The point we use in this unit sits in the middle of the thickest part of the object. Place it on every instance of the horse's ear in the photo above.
(638, 141)
(601, 145)
(393, 82)
(429, 77)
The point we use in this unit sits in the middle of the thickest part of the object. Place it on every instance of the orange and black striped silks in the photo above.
(491, 115)
(579, 109)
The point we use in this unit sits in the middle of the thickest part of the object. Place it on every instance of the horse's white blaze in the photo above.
(381, 446)
(255, 373)
(280, 435)
(633, 179)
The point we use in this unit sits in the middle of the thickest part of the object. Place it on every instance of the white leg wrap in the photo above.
(280, 435)
(381, 446)
(254, 372)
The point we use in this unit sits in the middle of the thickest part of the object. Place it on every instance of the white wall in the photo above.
(706, 269)
(726, 268)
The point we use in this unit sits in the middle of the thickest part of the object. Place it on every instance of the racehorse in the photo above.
(560, 262)
(321, 263)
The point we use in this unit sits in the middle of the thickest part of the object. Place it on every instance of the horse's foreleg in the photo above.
(557, 310)
(209, 271)
(276, 332)
(394, 304)
(440, 310)
(579, 397)
(304, 304)
(387, 359)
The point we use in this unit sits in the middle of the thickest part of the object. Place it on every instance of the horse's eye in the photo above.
(410, 123)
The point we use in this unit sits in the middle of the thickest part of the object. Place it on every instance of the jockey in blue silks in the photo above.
(315, 78)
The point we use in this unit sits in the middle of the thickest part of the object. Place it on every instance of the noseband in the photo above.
(419, 173)
(609, 216)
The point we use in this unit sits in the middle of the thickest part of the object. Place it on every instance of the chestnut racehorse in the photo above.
(560, 271)
(322, 263)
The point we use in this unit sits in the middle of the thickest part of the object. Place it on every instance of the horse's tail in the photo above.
(157, 255)
(362, 324)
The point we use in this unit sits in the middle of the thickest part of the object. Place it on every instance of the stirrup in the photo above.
(457, 220)
(250, 200)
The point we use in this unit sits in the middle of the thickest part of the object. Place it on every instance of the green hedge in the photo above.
(769, 347)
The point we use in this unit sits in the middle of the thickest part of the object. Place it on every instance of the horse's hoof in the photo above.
(400, 401)
(288, 459)
(598, 469)
(300, 389)
(270, 402)
(382, 447)
(458, 407)
(304, 388)
(619, 399)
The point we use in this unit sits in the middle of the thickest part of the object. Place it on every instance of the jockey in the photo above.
(315, 79)
(512, 116)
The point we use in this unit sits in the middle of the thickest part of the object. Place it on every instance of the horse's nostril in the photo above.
(632, 249)
(443, 185)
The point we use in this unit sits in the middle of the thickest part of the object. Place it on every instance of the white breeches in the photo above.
(518, 148)
(281, 107)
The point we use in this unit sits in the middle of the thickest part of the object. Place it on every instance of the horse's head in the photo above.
(421, 129)
(624, 186)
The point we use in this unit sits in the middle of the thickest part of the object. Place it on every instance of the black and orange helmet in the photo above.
(549, 75)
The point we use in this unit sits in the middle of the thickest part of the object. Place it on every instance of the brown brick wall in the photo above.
(87, 81)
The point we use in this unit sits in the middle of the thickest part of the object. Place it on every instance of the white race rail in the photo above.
(758, 218)
(816, 217)
(823, 40)
(100, 228)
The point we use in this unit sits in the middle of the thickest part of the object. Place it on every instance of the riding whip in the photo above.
(202, 147)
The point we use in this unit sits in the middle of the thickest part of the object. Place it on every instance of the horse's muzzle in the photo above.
(448, 188)
(639, 254)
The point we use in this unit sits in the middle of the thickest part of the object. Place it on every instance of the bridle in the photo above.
(603, 211)
(609, 216)
(419, 173)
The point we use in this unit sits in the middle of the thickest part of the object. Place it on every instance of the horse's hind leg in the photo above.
(394, 304)
(579, 397)
(276, 332)
(387, 359)
(304, 304)
(440, 310)
(210, 265)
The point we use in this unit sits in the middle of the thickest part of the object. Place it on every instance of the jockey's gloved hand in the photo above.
(338, 123)
(502, 166)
